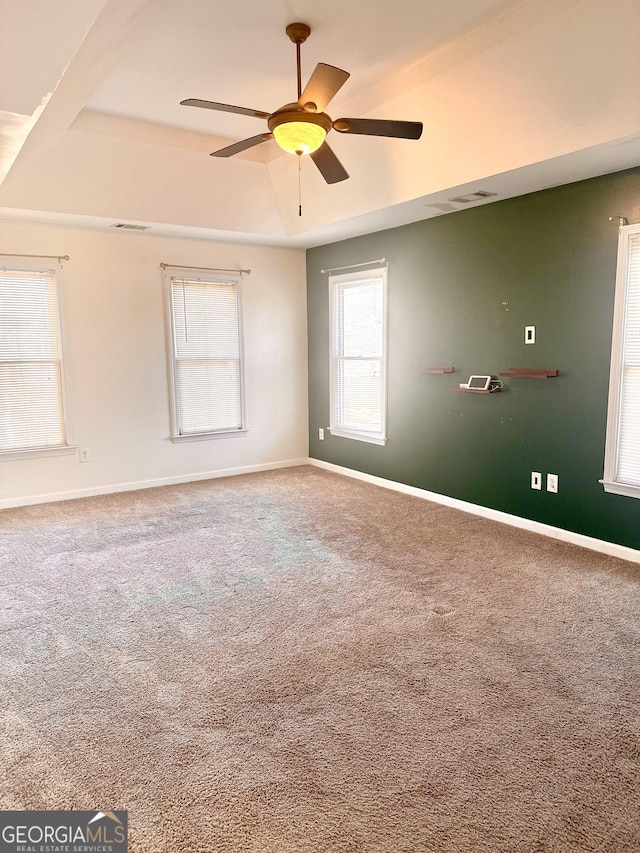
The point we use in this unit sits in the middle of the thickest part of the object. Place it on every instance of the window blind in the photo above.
(31, 379)
(629, 423)
(358, 356)
(207, 370)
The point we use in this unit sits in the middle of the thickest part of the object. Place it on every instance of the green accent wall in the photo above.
(462, 287)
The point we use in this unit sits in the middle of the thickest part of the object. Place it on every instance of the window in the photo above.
(32, 399)
(622, 454)
(358, 355)
(206, 356)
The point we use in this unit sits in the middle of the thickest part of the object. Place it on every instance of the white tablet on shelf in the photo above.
(479, 383)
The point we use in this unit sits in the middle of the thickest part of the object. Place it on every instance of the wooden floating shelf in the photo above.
(437, 369)
(529, 373)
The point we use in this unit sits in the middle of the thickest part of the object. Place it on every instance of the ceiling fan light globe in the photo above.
(299, 137)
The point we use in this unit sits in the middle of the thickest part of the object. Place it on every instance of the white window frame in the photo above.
(336, 282)
(610, 480)
(203, 275)
(18, 263)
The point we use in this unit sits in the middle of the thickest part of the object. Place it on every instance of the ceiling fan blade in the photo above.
(237, 147)
(323, 84)
(224, 108)
(330, 167)
(379, 127)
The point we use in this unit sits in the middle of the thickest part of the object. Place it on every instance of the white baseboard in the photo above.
(147, 484)
(609, 548)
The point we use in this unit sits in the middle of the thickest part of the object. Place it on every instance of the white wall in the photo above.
(114, 327)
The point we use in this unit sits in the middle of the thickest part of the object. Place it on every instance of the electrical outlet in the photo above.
(83, 454)
(536, 480)
(321, 434)
(552, 483)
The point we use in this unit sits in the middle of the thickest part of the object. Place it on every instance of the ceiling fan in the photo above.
(301, 126)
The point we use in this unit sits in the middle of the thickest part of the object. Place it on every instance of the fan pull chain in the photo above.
(299, 153)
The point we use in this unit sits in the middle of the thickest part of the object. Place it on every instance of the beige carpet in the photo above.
(295, 661)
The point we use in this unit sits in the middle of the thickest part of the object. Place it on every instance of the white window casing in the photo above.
(358, 354)
(205, 355)
(622, 450)
(33, 384)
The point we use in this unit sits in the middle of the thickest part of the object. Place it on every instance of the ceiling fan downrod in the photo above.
(298, 33)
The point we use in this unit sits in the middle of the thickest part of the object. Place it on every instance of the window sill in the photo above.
(358, 436)
(626, 489)
(205, 436)
(67, 450)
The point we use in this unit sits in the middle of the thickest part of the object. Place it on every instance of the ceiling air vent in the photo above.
(477, 196)
(127, 227)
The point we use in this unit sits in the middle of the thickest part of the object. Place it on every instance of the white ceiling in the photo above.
(515, 96)
(239, 54)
